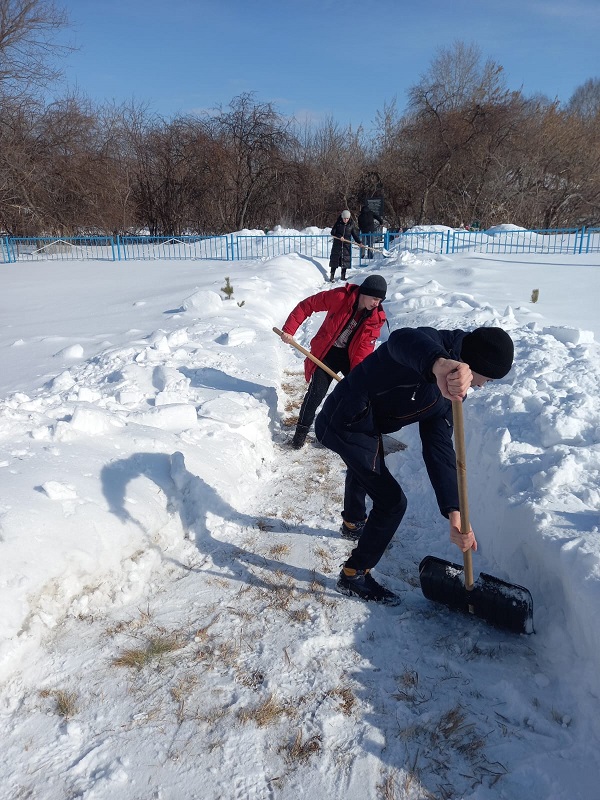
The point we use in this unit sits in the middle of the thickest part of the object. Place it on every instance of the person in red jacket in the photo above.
(347, 335)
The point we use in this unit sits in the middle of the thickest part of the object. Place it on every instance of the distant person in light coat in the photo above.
(341, 252)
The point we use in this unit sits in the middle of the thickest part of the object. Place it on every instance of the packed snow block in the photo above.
(203, 303)
(86, 395)
(74, 351)
(177, 338)
(238, 336)
(240, 415)
(176, 418)
(129, 397)
(59, 491)
(61, 382)
(568, 335)
(169, 398)
(93, 421)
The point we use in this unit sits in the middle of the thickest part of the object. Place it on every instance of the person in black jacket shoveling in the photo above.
(413, 377)
(367, 224)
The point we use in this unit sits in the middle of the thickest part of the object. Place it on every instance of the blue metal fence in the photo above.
(45, 248)
(273, 244)
(566, 240)
(175, 247)
(235, 247)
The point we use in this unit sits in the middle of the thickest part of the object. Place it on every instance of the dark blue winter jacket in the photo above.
(391, 388)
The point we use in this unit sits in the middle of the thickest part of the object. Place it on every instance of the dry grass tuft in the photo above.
(409, 689)
(201, 634)
(325, 559)
(266, 713)
(320, 466)
(181, 692)
(387, 788)
(251, 679)
(278, 551)
(300, 751)
(128, 625)
(277, 593)
(213, 715)
(244, 614)
(139, 657)
(452, 724)
(346, 696)
(65, 702)
(299, 615)
(319, 590)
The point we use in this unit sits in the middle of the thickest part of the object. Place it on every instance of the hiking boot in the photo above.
(352, 530)
(343, 275)
(360, 583)
(300, 436)
(331, 277)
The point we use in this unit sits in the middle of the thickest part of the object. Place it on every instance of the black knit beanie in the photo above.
(374, 286)
(488, 351)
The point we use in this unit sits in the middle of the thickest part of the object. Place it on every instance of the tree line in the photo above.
(465, 148)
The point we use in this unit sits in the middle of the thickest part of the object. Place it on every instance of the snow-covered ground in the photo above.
(170, 628)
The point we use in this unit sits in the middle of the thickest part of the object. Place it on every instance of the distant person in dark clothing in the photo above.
(346, 336)
(367, 225)
(341, 252)
(413, 377)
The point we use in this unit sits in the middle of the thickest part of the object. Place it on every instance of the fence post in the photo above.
(9, 250)
(581, 240)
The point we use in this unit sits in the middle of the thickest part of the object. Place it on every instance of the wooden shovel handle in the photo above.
(349, 241)
(461, 474)
(308, 354)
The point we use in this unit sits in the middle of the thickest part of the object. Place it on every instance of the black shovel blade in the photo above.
(505, 605)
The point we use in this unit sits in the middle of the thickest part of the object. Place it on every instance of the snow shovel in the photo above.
(505, 605)
(383, 252)
(391, 445)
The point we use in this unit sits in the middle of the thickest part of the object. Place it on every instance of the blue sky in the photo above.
(316, 58)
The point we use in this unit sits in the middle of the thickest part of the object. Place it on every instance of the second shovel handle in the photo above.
(308, 354)
(461, 476)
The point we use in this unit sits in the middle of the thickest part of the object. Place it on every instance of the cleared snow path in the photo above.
(261, 682)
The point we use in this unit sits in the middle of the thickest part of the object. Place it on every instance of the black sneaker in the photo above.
(352, 530)
(360, 583)
(300, 437)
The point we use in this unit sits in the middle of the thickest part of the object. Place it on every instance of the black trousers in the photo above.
(337, 360)
(389, 506)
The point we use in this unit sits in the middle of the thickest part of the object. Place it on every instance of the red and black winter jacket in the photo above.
(340, 304)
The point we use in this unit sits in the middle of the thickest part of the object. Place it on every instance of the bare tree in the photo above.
(585, 100)
(253, 139)
(28, 48)
(457, 77)
(330, 161)
(451, 112)
(554, 168)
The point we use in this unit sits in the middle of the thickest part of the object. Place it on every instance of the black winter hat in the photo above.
(374, 286)
(488, 351)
